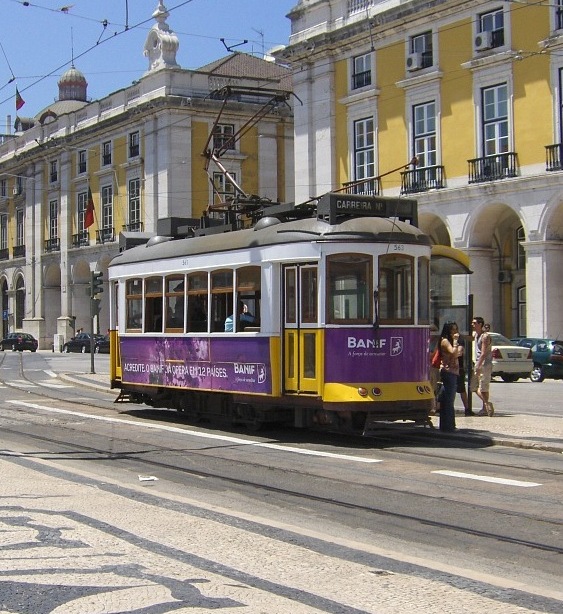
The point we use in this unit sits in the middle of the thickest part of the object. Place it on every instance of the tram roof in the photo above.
(271, 231)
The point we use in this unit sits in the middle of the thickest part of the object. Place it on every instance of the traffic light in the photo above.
(94, 307)
(96, 283)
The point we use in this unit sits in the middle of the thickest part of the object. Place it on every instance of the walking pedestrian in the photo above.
(483, 371)
(450, 351)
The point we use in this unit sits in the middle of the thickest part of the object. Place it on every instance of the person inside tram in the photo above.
(245, 318)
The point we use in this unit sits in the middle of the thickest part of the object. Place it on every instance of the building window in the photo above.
(20, 238)
(223, 136)
(20, 302)
(521, 298)
(53, 171)
(493, 22)
(134, 208)
(53, 219)
(134, 148)
(82, 205)
(424, 134)
(3, 188)
(520, 251)
(224, 189)
(106, 153)
(107, 207)
(3, 231)
(559, 15)
(364, 151)
(82, 161)
(421, 50)
(361, 71)
(495, 120)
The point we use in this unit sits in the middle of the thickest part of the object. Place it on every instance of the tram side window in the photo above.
(396, 289)
(153, 305)
(134, 304)
(349, 289)
(221, 298)
(248, 292)
(423, 291)
(198, 288)
(174, 297)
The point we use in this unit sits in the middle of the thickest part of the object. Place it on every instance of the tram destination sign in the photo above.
(334, 205)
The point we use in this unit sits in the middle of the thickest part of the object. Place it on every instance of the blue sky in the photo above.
(38, 39)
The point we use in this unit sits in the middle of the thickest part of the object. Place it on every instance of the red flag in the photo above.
(89, 217)
(19, 100)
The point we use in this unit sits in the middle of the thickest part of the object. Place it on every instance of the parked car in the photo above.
(80, 343)
(547, 355)
(17, 342)
(102, 345)
(510, 361)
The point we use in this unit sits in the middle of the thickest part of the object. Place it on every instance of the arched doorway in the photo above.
(20, 302)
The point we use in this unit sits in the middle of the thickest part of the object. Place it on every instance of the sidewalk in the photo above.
(504, 428)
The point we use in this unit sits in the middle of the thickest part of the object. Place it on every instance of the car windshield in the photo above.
(497, 339)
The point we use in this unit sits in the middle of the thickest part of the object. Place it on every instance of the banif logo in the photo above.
(396, 346)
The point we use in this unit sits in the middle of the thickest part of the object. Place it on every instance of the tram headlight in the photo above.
(363, 392)
(376, 391)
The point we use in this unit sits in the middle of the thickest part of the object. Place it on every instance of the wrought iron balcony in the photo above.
(361, 79)
(422, 179)
(53, 245)
(19, 251)
(81, 239)
(492, 168)
(105, 235)
(133, 227)
(554, 157)
(4, 254)
(370, 186)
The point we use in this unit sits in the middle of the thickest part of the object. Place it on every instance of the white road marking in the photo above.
(486, 478)
(50, 373)
(54, 385)
(21, 383)
(225, 438)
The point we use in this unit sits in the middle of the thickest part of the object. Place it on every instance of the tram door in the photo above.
(302, 352)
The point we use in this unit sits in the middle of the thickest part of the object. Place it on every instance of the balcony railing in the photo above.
(4, 254)
(422, 179)
(492, 168)
(370, 186)
(105, 235)
(53, 245)
(361, 79)
(554, 157)
(19, 251)
(133, 227)
(81, 239)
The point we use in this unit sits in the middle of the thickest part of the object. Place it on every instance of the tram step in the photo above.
(124, 397)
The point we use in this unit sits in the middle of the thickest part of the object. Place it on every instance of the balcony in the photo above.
(133, 227)
(492, 168)
(4, 254)
(105, 235)
(53, 245)
(369, 187)
(81, 239)
(361, 79)
(422, 179)
(554, 157)
(19, 251)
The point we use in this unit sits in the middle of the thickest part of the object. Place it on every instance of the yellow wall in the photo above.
(249, 148)
(200, 182)
(391, 145)
(342, 153)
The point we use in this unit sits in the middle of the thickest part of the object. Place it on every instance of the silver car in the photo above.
(510, 362)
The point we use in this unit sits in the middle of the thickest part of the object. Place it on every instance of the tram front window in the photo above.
(349, 289)
(396, 289)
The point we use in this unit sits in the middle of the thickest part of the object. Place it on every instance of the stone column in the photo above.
(483, 282)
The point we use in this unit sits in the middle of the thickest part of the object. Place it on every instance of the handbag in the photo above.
(436, 359)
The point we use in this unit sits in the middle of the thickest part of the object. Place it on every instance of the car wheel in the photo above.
(66, 349)
(509, 378)
(537, 374)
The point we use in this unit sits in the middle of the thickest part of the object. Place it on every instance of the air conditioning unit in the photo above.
(484, 40)
(414, 61)
(16, 191)
(504, 277)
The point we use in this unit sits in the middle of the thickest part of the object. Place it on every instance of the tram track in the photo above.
(291, 495)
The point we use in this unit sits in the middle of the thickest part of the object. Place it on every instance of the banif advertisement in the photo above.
(386, 355)
(234, 364)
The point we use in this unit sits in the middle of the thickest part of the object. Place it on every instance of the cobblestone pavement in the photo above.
(72, 543)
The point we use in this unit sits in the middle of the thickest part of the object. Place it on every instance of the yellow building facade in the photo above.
(136, 156)
(457, 104)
